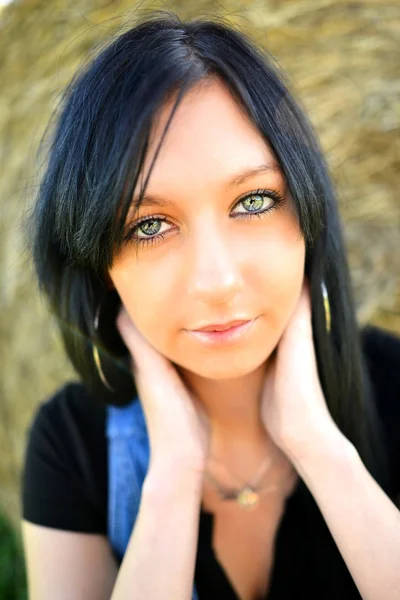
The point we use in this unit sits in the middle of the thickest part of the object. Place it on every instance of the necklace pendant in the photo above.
(247, 498)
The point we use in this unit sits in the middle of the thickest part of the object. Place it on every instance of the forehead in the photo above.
(209, 139)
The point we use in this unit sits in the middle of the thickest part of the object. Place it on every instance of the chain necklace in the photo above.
(247, 496)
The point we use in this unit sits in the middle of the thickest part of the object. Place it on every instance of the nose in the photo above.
(213, 265)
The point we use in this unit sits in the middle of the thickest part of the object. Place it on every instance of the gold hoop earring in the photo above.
(96, 355)
(326, 306)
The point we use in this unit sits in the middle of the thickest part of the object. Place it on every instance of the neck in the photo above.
(239, 440)
(232, 406)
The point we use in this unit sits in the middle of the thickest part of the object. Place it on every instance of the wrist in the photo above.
(327, 442)
(332, 459)
(177, 461)
(172, 475)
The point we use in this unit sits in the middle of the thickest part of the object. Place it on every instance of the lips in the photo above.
(221, 327)
(231, 334)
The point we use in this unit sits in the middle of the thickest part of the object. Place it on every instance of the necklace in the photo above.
(248, 495)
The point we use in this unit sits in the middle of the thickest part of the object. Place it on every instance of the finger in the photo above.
(299, 324)
(147, 358)
(141, 351)
(127, 329)
(134, 339)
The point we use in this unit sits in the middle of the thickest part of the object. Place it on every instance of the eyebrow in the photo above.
(157, 200)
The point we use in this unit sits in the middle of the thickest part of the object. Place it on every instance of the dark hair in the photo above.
(96, 155)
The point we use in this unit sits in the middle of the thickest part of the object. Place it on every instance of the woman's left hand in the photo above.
(293, 407)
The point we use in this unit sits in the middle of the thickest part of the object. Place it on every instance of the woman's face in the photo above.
(212, 264)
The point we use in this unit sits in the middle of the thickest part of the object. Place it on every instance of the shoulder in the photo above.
(69, 418)
(381, 345)
(64, 479)
(68, 426)
(381, 350)
(72, 399)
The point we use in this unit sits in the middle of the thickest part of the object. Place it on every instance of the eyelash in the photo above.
(144, 241)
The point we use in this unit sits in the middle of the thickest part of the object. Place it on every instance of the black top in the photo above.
(64, 485)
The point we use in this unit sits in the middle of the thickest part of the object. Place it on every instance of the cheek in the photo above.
(145, 296)
(280, 273)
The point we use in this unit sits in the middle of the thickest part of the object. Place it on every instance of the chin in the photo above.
(223, 368)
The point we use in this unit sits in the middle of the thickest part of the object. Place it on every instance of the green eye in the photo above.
(255, 201)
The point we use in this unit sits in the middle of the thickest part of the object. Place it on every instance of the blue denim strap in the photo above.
(128, 456)
(128, 461)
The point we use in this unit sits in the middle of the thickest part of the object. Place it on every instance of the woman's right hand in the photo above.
(177, 423)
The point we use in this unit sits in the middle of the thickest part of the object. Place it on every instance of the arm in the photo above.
(160, 558)
(65, 564)
(363, 521)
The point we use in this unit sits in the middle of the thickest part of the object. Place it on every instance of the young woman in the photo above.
(234, 433)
